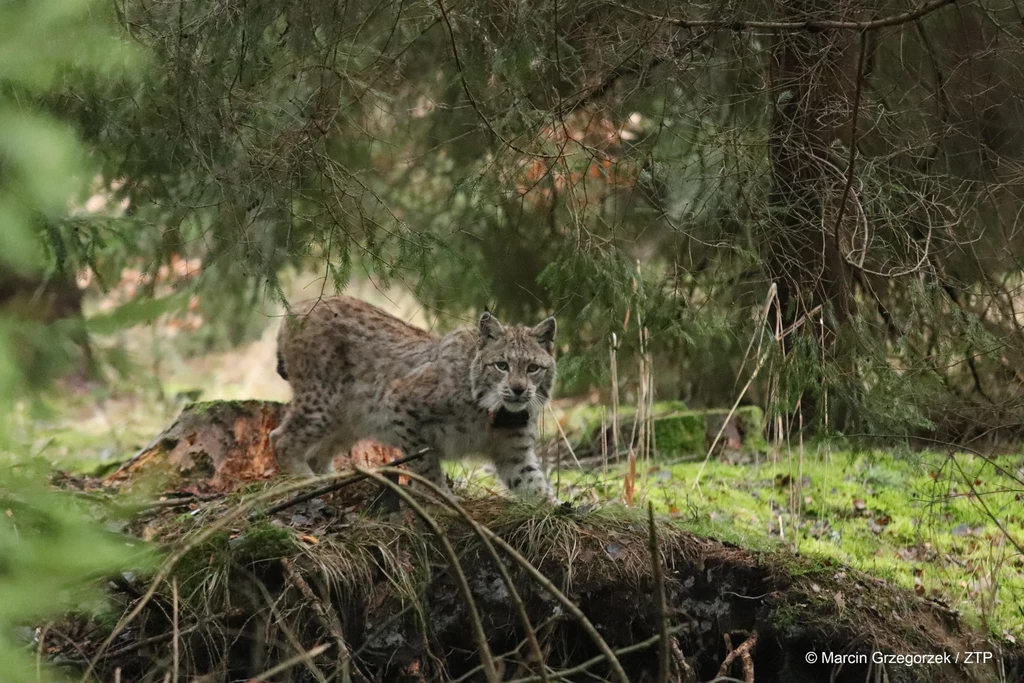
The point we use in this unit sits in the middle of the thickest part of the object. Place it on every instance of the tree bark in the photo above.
(812, 107)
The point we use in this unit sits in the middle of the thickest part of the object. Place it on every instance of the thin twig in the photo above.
(535, 573)
(335, 485)
(721, 430)
(808, 25)
(329, 620)
(469, 675)
(580, 668)
(469, 93)
(685, 672)
(289, 633)
(290, 662)
(854, 115)
(490, 670)
(743, 651)
(517, 601)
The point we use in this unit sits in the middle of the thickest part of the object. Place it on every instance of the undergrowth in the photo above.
(943, 526)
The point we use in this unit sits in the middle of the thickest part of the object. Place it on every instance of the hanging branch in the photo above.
(811, 25)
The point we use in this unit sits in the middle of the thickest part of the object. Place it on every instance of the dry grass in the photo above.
(244, 593)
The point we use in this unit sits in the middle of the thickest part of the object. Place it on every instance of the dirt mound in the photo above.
(320, 587)
(265, 582)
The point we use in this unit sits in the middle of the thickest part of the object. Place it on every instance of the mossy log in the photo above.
(261, 580)
(677, 432)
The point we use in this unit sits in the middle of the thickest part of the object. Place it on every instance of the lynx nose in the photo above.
(518, 389)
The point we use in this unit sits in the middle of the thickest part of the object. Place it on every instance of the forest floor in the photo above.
(949, 527)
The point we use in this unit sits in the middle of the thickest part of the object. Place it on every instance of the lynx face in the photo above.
(513, 367)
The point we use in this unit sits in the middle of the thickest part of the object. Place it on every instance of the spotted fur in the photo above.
(357, 372)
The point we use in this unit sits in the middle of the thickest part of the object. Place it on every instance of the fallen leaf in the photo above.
(919, 581)
(878, 524)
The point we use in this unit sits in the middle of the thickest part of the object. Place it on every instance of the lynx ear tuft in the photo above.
(489, 327)
(545, 333)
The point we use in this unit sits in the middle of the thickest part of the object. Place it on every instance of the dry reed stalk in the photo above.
(651, 445)
(629, 482)
(659, 597)
(641, 419)
(176, 634)
(565, 439)
(615, 395)
(604, 445)
(290, 662)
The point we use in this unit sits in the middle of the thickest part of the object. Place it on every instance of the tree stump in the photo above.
(216, 446)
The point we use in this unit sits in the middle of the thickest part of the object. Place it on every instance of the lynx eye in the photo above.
(503, 366)
(533, 368)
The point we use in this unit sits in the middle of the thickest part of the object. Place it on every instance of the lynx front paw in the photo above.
(294, 468)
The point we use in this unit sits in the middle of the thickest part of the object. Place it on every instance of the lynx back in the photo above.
(357, 372)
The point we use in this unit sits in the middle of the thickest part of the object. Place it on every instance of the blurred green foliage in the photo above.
(51, 550)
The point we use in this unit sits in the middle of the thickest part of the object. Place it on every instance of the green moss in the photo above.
(203, 407)
(752, 420)
(681, 434)
(915, 521)
(582, 422)
(677, 431)
(263, 541)
(201, 561)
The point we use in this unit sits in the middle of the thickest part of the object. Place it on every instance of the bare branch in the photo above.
(809, 25)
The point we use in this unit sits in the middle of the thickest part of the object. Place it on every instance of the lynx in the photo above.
(357, 372)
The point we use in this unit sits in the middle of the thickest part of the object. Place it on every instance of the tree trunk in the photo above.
(812, 105)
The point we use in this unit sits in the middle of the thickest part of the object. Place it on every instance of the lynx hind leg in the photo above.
(520, 470)
(297, 438)
(323, 456)
(427, 466)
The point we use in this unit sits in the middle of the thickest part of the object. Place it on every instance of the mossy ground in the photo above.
(384, 578)
(925, 521)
